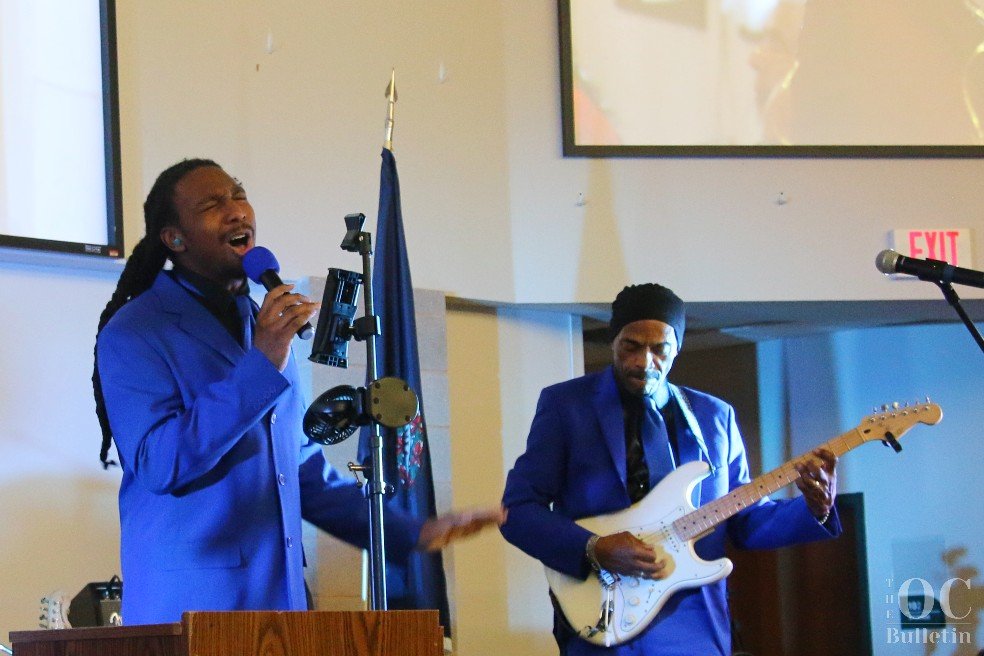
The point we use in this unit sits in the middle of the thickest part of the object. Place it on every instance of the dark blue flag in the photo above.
(420, 583)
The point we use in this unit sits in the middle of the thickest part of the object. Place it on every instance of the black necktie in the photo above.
(245, 308)
(655, 443)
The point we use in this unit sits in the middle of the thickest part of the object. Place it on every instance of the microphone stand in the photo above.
(951, 297)
(337, 413)
(362, 243)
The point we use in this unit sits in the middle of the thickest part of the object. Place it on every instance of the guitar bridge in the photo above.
(608, 581)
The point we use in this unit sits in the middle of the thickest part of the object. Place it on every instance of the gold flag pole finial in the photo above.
(391, 96)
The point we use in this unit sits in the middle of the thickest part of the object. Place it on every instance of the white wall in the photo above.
(59, 526)
(303, 126)
(479, 156)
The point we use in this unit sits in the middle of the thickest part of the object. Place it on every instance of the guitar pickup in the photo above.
(607, 578)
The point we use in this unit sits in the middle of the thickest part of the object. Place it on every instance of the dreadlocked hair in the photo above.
(142, 268)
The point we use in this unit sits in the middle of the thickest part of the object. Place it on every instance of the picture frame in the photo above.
(767, 78)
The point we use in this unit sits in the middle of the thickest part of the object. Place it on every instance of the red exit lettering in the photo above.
(935, 245)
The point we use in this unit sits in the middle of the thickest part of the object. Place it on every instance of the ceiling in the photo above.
(716, 325)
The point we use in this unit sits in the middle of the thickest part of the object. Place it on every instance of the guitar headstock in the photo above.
(893, 421)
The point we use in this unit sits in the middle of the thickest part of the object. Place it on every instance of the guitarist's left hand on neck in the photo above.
(818, 482)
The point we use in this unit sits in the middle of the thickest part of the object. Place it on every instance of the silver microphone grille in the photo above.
(887, 261)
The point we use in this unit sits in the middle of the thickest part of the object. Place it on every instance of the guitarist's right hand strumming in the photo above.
(624, 553)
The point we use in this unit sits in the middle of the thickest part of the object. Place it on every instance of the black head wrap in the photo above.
(648, 301)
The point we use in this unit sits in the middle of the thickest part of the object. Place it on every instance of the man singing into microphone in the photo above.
(601, 442)
(199, 389)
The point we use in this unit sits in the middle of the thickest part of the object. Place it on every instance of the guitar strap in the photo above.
(563, 632)
(688, 414)
(693, 427)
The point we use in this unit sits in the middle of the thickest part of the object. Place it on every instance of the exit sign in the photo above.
(949, 244)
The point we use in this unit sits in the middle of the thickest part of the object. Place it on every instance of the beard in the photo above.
(639, 382)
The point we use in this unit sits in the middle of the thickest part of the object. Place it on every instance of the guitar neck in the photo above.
(708, 516)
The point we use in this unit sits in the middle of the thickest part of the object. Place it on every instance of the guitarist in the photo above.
(601, 442)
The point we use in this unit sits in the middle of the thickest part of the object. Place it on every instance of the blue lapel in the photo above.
(608, 408)
(192, 317)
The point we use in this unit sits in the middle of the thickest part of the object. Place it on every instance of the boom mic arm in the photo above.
(888, 262)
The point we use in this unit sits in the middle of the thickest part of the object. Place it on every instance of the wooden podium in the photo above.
(244, 633)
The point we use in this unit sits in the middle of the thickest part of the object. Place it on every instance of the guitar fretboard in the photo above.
(705, 518)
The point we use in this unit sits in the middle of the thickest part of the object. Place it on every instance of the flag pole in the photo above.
(391, 97)
(420, 582)
(377, 483)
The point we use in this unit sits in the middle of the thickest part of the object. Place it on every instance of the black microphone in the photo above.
(262, 268)
(889, 261)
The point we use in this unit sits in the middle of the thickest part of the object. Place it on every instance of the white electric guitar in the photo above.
(609, 609)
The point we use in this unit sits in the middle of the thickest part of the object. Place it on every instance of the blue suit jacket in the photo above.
(216, 471)
(575, 460)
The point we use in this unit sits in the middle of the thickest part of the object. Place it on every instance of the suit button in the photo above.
(282, 479)
(273, 418)
(290, 542)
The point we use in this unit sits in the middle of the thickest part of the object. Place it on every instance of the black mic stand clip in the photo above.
(337, 413)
